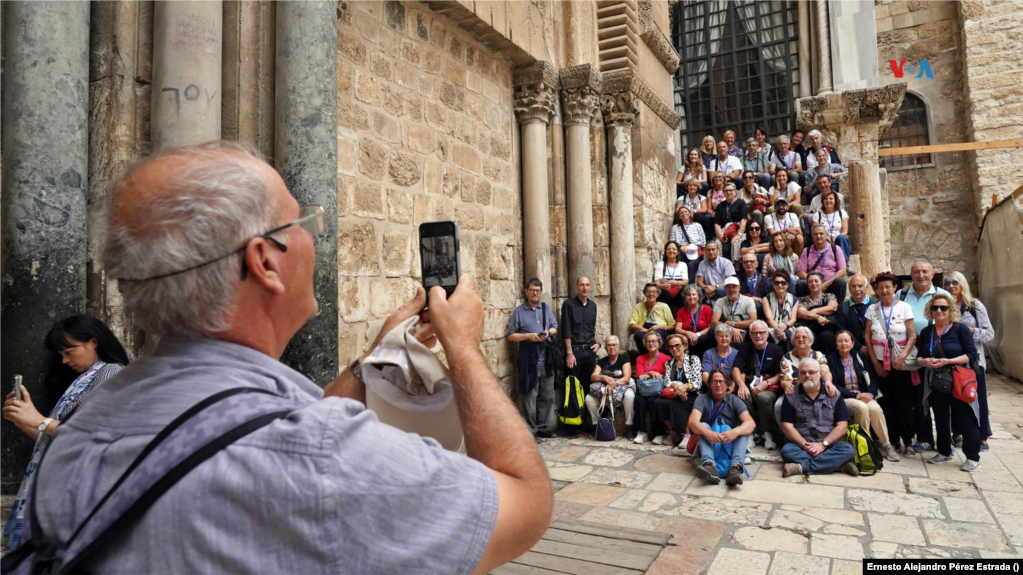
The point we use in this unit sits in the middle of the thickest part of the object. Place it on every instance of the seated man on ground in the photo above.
(815, 425)
(650, 315)
(714, 270)
(824, 257)
(709, 408)
(755, 374)
(735, 310)
(612, 378)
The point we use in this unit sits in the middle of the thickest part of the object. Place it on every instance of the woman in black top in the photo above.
(942, 345)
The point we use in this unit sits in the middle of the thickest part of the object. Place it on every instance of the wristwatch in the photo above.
(44, 424)
(825, 443)
(356, 369)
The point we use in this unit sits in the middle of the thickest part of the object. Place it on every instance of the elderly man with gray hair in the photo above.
(815, 425)
(213, 255)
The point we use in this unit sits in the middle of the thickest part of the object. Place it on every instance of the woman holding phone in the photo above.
(83, 354)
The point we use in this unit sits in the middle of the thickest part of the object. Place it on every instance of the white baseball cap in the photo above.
(692, 251)
(732, 281)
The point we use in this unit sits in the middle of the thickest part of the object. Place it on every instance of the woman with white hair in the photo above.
(974, 316)
(612, 378)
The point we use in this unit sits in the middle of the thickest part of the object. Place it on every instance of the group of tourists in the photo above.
(753, 319)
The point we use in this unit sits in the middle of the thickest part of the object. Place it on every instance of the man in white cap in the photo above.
(735, 310)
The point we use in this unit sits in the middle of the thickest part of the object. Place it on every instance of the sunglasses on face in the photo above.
(939, 308)
(754, 228)
(780, 283)
(676, 346)
(951, 283)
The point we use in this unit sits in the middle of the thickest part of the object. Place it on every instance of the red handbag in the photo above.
(694, 440)
(669, 393)
(964, 384)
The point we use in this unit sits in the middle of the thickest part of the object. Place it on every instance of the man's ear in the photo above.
(264, 265)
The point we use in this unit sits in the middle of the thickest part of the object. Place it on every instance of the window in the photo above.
(739, 67)
(909, 129)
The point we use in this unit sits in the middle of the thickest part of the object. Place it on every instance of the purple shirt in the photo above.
(327, 489)
(832, 260)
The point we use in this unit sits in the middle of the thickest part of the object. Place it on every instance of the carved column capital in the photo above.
(536, 90)
(580, 93)
(579, 105)
(619, 109)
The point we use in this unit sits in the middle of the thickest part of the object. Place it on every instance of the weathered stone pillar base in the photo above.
(867, 218)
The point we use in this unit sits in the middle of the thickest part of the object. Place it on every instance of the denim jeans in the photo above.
(738, 450)
(538, 402)
(832, 458)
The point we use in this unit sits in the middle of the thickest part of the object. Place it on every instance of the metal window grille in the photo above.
(740, 67)
(909, 129)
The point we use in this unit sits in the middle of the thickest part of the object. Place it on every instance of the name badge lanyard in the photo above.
(850, 372)
(722, 361)
(888, 324)
(732, 308)
(760, 360)
(934, 341)
(693, 317)
(752, 283)
(715, 414)
(831, 223)
(862, 316)
(821, 256)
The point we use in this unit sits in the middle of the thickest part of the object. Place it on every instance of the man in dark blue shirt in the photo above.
(532, 325)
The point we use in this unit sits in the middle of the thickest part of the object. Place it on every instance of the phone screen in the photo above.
(439, 254)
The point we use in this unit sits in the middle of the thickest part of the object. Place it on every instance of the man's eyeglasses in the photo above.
(758, 333)
(310, 219)
(803, 372)
(939, 308)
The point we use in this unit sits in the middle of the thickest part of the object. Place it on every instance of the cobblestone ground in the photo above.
(814, 525)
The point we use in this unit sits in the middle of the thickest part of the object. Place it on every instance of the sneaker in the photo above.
(791, 469)
(748, 460)
(545, 434)
(640, 438)
(849, 468)
(757, 439)
(957, 441)
(922, 446)
(630, 433)
(659, 440)
(889, 453)
(984, 447)
(734, 475)
(769, 443)
(939, 458)
(970, 465)
(684, 444)
(708, 473)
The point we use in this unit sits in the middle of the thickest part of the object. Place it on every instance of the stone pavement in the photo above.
(813, 525)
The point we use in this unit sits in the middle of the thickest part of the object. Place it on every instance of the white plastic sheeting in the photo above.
(1001, 283)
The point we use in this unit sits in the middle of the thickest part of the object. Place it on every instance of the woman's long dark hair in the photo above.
(80, 328)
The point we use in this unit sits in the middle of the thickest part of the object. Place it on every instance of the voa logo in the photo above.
(901, 67)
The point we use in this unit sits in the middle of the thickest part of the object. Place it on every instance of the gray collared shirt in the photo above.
(327, 489)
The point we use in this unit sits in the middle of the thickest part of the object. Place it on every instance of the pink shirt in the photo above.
(831, 261)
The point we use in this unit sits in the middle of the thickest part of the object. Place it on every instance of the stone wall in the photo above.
(425, 132)
(992, 39)
(929, 204)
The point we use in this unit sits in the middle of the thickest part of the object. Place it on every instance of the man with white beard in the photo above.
(815, 425)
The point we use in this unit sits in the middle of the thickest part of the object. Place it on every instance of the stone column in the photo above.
(868, 216)
(45, 182)
(620, 111)
(305, 127)
(535, 92)
(580, 99)
(187, 44)
(803, 12)
(854, 121)
(823, 48)
(248, 76)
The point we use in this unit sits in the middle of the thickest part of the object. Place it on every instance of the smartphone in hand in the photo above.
(440, 255)
(18, 386)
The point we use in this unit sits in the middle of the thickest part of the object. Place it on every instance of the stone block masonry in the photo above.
(425, 132)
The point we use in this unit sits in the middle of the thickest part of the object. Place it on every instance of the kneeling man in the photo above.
(709, 407)
(815, 425)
